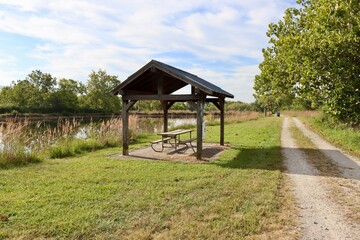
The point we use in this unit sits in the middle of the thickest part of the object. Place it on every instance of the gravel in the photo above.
(320, 217)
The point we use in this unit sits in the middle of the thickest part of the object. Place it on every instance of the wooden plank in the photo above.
(161, 140)
(175, 132)
(163, 97)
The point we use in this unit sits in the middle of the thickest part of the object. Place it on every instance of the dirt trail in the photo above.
(349, 165)
(320, 216)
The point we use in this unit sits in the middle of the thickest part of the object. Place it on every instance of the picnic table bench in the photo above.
(172, 139)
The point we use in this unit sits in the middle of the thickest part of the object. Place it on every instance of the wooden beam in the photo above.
(135, 92)
(129, 105)
(215, 102)
(192, 104)
(170, 104)
(192, 90)
(178, 98)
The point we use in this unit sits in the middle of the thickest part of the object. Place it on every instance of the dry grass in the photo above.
(96, 136)
(17, 147)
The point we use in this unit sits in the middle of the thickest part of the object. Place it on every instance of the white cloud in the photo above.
(239, 83)
(74, 37)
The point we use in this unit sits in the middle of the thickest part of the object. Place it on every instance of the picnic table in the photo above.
(172, 139)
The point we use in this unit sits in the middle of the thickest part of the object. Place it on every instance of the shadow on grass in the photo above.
(273, 158)
(254, 158)
(7, 166)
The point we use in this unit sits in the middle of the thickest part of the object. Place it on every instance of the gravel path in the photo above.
(320, 216)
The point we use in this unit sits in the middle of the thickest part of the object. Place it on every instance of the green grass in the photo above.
(347, 138)
(73, 147)
(93, 196)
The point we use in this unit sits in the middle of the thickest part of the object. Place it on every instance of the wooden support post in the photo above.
(220, 104)
(164, 105)
(222, 120)
(200, 115)
(166, 120)
(126, 105)
(125, 127)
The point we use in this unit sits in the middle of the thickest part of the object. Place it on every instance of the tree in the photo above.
(99, 97)
(314, 54)
(65, 99)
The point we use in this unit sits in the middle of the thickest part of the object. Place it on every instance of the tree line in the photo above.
(42, 93)
(313, 61)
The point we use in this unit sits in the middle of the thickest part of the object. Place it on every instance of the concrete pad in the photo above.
(211, 152)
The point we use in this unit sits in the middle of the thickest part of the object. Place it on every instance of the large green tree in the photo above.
(98, 93)
(33, 93)
(65, 98)
(314, 56)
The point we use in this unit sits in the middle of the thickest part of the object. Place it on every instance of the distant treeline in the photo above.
(42, 93)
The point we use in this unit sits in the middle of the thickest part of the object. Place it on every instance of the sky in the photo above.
(221, 41)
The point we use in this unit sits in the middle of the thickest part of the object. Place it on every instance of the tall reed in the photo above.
(106, 133)
(17, 144)
(21, 143)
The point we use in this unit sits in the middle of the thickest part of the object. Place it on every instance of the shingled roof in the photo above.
(145, 81)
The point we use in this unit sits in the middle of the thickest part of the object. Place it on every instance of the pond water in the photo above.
(155, 125)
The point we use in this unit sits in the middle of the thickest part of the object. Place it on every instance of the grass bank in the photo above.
(94, 196)
(347, 138)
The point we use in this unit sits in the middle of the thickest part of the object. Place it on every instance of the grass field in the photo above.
(94, 196)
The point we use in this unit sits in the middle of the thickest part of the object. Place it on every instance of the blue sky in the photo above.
(220, 41)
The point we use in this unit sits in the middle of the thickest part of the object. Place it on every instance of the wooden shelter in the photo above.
(158, 81)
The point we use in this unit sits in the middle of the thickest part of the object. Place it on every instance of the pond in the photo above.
(155, 125)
